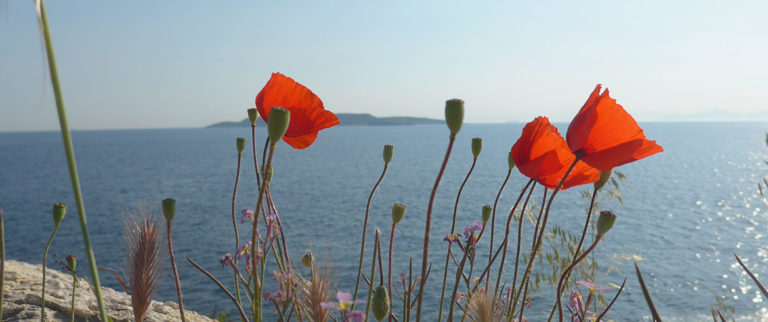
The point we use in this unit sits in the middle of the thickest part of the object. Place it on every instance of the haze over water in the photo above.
(686, 209)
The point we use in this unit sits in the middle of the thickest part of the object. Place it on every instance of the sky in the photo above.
(168, 64)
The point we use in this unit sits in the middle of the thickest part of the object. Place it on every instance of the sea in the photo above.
(683, 214)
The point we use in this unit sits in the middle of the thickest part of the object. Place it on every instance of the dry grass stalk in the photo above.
(480, 308)
(316, 292)
(142, 237)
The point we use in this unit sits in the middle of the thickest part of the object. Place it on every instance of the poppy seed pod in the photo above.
(389, 151)
(510, 161)
(59, 210)
(604, 176)
(240, 146)
(486, 213)
(454, 115)
(398, 211)
(253, 115)
(605, 222)
(307, 259)
(169, 209)
(72, 262)
(380, 303)
(279, 119)
(477, 146)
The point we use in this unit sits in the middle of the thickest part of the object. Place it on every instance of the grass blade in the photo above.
(647, 295)
(754, 278)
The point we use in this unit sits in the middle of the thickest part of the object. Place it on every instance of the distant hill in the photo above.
(354, 119)
(719, 115)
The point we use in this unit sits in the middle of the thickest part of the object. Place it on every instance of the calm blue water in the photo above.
(686, 210)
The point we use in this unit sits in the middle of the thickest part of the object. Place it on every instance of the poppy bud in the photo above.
(604, 176)
(279, 119)
(380, 303)
(72, 262)
(240, 146)
(605, 222)
(389, 150)
(477, 146)
(253, 115)
(59, 210)
(486, 213)
(510, 161)
(169, 209)
(307, 259)
(398, 211)
(454, 115)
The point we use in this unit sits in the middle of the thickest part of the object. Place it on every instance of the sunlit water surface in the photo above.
(686, 210)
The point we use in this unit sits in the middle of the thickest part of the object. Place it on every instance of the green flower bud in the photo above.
(477, 146)
(279, 119)
(510, 161)
(605, 222)
(486, 213)
(307, 259)
(169, 209)
(389, 150)
(59, 210)
(72, 262)
(398, 211)
(604, 176)
(240, 146)
(253, 115)
(380, 303)
(454, 115)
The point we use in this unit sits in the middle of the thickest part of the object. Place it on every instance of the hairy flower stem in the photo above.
(176, 272)
(538, 239)
(257, 284)
(453, 229)
(389, 270)
(255, 159)
(74, 289)
(70, 152)
(234, 226)
(221, 286)
(45, 261)
(425, 254)
(566, 275)
(567, 272)
(2, 261)
(519, 234)
(286, 258)
(376, 246)
(493, 217)
(459, 273)
(365, 227)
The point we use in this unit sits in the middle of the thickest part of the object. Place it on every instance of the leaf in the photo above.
(647, 294)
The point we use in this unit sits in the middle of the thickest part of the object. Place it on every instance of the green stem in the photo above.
(71, 159)
(175, 272)
(425, 254)
(234, 225)
(365, 227)
(45, 261)
(74, 289)
(257, 282)
(376, 246)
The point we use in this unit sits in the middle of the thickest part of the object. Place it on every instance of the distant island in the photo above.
(355, 119)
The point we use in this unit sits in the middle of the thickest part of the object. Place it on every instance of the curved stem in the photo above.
(257, 283)
(176, 273)
(425, 254)
(255, 159)
(459, 272)
(505, 242)
(45, 261)
(365, 228)
(389, 270)
(453, 229)
(221, 286)
(74, 289)
(567, 272)
(70, 152)
(376, 246)
(519, 239)
(234, 226)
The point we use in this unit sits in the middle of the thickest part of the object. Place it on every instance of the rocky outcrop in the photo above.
(21, 301)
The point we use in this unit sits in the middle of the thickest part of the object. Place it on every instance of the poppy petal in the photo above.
(308, 116)
(605, 135)
(301, 142)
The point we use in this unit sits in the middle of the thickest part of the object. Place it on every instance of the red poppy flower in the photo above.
(308, 116)
(543, 155)
(605, 136)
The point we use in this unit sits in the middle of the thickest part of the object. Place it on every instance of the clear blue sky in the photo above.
(127, 64)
